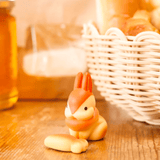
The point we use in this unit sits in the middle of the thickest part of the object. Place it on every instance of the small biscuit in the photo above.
(64, 142)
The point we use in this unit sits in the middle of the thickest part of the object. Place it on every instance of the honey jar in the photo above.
(8, 56)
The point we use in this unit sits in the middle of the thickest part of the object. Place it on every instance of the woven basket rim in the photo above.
(96, 34)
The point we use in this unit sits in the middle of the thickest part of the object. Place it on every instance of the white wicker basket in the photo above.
(126, 70)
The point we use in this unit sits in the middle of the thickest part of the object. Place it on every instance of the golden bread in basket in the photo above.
(131, 16)
(140, 22)
(112, 13)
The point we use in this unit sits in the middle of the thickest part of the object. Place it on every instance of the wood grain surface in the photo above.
(24, 128)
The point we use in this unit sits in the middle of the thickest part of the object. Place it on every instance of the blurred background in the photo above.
(50, 48)
(46, 38)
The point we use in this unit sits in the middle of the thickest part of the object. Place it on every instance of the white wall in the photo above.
(29, 12)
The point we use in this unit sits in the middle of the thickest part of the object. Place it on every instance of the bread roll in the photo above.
(113, 13)
(155, 3)
(139, 23)
(155, 18)
(146, 5)
(149, 5)
(142, 14)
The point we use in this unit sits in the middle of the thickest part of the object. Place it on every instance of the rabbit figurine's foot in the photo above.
(79, 146)
(100, 130)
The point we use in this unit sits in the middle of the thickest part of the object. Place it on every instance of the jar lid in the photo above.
(7, 3)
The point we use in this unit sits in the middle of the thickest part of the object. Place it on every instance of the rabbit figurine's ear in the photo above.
(90, 82)
(87, 82)
(78, 80)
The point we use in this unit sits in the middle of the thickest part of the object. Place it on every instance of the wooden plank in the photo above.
(24, 128)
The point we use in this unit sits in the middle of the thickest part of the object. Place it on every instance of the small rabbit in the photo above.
(82, 116)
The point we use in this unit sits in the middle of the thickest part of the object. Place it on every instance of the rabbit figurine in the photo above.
(82, 116)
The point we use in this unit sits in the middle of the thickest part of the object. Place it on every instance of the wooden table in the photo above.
(24, 128)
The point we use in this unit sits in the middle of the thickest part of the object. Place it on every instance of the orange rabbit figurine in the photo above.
(82, 116)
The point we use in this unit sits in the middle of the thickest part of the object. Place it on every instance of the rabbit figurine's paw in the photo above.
(80, 145)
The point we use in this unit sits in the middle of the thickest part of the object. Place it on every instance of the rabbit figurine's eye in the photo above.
(85, 108)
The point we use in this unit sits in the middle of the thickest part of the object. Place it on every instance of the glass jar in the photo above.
(8, 56)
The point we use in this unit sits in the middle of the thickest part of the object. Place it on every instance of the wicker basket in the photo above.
(126, 70)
